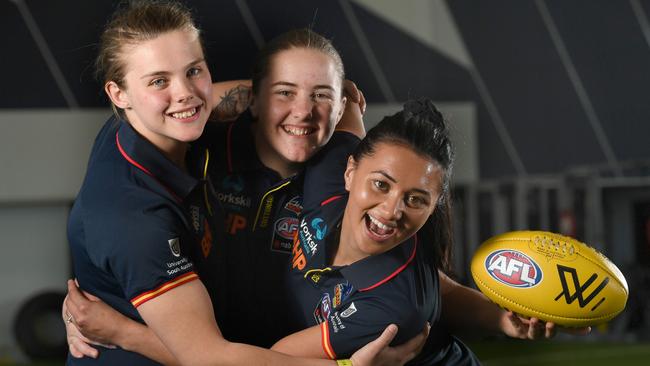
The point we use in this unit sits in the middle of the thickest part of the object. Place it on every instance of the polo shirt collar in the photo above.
(146, 157)
(373, 271)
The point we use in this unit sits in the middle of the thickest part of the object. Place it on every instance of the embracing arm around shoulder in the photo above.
(230, 99)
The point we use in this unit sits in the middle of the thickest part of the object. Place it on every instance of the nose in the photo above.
(393, 207)
(184, 91)
(302, 108)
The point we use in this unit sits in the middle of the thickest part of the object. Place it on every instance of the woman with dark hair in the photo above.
(373, 234)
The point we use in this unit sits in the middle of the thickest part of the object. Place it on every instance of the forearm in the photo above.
(230, 99)
(465, 310)
(139, 338)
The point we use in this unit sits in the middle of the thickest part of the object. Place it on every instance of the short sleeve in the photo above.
(324, 172)
(145, 249)
(361, 321)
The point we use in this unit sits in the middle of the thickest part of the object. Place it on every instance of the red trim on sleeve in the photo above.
(397, 271)
(325, 340)
(333, 198)
(180, 280)
(137, 165)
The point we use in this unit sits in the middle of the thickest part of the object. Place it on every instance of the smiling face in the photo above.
(166, 88)
(392, 194)
(297, 107)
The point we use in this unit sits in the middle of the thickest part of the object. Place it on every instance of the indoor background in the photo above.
(548, 103)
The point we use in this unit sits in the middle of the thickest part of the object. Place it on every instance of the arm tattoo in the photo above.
(232, 104)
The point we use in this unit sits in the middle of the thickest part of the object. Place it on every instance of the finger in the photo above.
(535, 328)
(362, 102)
(551, 329)
(517, 324)
(82, 348)
(351, 90)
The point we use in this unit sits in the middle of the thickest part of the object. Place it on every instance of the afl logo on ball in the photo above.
(513, 268)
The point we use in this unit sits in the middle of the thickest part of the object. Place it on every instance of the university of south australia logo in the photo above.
(513, 268)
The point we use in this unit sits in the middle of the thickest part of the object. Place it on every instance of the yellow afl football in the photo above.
(551, 277)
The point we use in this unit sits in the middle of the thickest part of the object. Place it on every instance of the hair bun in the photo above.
(421, 108)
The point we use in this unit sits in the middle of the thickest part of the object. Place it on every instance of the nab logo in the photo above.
(513, 268)
(321, 228)
(579, 289)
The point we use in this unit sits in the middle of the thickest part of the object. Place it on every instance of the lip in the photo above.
(373, 235)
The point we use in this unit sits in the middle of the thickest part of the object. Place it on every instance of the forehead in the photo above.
(167, 52)
(303, 65)
(408, 168)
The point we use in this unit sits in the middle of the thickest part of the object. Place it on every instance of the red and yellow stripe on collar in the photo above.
(146, 296)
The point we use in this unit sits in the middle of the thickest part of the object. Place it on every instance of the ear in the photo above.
(118, 96)
(349, 172)
(341, 110)
(254, 106)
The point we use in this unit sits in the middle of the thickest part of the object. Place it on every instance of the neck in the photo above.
(347, 251)
(271, 159)
(173, 150)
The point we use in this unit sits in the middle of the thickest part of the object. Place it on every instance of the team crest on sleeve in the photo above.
(175, 246)
(513, 268)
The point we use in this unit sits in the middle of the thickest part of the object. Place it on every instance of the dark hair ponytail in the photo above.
(421, 127)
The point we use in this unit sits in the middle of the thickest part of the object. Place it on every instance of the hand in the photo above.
(78, 345)
(354, 95)
(96, 322)
(516, 326)
(378, 351)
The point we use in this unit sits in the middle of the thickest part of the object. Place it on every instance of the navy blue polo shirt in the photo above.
(136, 226)
(353, 304)
(261, 216)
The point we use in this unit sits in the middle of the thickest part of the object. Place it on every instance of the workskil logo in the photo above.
(233, 183)
(321, 228)
(513, 268)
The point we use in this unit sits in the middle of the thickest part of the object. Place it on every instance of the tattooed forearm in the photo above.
(232, 104)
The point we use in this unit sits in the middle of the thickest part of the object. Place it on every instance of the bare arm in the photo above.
(355, 107)
(230, 99)
(101, 324)
(466, 309)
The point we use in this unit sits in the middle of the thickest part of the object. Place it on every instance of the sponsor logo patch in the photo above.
(175, 247)
(349, 311)
(320, 226)
(286, 227)
(307, 239)
(513, 268)
(294, 205)
(233, 183)
(234, 199)
(323, 309)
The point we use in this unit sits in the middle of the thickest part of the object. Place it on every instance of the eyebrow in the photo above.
(286, 83)
(156, 73)
(389, 177)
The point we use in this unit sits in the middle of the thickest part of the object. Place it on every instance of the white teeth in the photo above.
(186, 114)
(297, 131)
(379, 224)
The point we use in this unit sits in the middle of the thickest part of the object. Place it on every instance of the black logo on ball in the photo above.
(580, 289)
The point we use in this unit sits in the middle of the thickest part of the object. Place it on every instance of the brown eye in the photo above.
(415, 201)
(380, 185)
